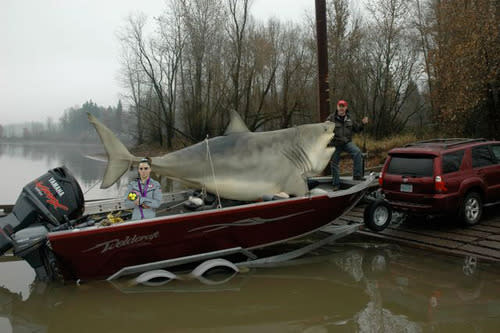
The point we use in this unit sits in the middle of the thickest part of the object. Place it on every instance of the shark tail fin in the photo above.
(119, 158)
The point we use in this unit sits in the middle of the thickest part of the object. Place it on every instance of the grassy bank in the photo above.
(377, 149)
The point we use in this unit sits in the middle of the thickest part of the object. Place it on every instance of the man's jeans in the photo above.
(357, 159)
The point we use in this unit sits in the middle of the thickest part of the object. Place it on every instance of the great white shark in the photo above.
(240, 165)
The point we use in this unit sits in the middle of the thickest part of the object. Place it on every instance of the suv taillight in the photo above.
(381, 178)
(439, 185)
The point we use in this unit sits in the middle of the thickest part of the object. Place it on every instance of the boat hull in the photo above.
(99, 252)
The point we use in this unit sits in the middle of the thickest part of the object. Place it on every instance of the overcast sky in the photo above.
(60, 53)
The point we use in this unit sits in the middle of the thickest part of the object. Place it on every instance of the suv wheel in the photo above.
(472, 209)
(377, 215)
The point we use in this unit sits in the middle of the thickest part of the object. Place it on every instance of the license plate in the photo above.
(406, 188)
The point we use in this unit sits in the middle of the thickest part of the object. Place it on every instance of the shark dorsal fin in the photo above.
(236, 124)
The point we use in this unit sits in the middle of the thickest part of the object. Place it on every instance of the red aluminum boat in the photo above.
(89, 250)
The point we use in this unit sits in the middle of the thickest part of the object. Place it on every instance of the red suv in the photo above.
(439, 177)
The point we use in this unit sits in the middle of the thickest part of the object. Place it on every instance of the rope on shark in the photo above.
(209, 157)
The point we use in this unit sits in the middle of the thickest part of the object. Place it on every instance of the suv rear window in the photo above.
(452, 161)
(416, 166)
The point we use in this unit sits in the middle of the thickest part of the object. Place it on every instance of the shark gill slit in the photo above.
(289, 154)
(298, 157)
(305, 158)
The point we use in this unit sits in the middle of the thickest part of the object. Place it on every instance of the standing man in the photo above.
(344, 128)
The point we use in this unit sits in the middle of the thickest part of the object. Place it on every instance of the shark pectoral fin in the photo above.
(114, 170)
(295, 185)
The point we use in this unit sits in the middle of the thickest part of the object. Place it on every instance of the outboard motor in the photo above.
(50, 200)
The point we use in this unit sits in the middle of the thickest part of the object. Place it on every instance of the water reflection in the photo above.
(352, 288)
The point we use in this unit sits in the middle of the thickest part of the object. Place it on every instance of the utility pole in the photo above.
(322, 51)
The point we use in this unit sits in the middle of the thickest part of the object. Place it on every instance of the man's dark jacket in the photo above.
(344, 128)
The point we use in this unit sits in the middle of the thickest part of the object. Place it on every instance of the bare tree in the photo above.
(261, 66)
(154, 61)
(339, 14)
(279, 72)
(206, 57)
(130, 77)
(140, 61)
(423, 23)
(238, 12)
(392, 57)
(347, 70)
(296, 74)
(202, 26)
(170, 50)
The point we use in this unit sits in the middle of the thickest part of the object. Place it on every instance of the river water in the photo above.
(22, 163)
(357, 285)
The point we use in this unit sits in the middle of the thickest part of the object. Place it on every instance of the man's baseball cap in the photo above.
(342, 102)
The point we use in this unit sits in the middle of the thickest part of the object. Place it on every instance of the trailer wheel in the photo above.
(378, 215)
